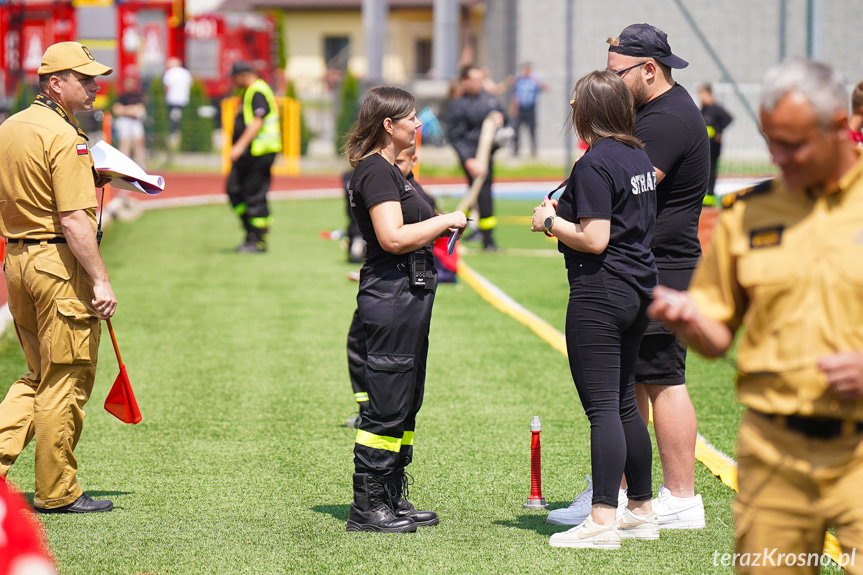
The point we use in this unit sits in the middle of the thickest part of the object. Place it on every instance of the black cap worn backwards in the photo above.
(646, 41)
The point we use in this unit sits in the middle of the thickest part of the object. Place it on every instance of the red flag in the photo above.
(121, 401)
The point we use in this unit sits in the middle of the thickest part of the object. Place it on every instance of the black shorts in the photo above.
(661, 357)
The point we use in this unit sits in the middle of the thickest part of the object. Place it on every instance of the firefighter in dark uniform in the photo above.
(464, 119)
(394, 305)
(783, 266)
(58, 286)
(257, 139)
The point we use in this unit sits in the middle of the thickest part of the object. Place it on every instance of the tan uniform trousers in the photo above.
(791, 489)
(50, 298)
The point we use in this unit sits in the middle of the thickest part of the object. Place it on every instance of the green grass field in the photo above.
(243, 463)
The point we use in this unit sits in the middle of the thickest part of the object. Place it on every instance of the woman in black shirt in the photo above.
(604, 223)
(394, 305)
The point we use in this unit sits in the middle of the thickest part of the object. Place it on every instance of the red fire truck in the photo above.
(135, 37)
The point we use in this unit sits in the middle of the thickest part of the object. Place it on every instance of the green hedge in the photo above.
(196, 132)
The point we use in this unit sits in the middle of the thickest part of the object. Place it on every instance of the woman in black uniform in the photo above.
(394, 305)
(604, 224)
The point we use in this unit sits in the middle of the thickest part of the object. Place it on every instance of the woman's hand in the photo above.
(456, 223)
(546, 209)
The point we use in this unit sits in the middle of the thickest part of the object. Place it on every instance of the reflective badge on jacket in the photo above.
(766, 237)
(82, 149)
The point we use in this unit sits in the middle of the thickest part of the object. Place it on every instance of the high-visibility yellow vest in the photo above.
(269, 139)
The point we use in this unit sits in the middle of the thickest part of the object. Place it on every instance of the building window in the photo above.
(336, 52)
(423, 63)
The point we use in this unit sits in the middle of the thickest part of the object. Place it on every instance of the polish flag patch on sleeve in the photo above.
(82, 149)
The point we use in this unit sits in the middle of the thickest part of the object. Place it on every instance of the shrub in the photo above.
(196, 132)
(157, 116)
(349, 108)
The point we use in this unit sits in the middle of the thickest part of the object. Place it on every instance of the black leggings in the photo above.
(605, 321)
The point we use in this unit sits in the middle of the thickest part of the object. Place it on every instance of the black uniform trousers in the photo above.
(484, 201)
(357, 359)
(395, 320)
(526, 117)
(247, 187)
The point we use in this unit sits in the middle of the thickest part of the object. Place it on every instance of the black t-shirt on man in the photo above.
(260, 107)
(613, 181)
(375, 180)
(675, 138)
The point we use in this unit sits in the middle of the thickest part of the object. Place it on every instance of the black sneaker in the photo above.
(84, 504)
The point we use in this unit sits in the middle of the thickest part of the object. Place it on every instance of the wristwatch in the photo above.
(549, 223)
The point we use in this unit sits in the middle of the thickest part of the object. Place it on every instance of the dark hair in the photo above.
(466, 70)
(602, 107)
(45, 78)
(706, 87)
(380, 103)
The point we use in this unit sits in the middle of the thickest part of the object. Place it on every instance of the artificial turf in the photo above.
(243, 462)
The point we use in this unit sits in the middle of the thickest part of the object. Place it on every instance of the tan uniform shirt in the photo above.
(788, 267)
(47, 169)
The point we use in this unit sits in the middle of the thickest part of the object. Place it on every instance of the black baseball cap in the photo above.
(239, 67)
(646, 41)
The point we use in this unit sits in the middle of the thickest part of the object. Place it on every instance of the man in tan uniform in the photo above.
(784, 264)
(58, 286)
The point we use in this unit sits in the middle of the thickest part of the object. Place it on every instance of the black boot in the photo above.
(400, 483)
(371, 509)
(487, 241)
(256, 241)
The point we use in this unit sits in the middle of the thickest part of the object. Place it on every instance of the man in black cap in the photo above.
(675, 137)
(256, 141)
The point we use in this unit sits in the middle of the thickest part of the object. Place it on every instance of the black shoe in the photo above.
(372, 507)
(404, 508)
(84, 504)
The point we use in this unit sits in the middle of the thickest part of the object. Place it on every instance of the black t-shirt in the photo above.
(716, 117)
(613, 181)
(675, 138)
(260, 107)
(130, 99)
(375, 180)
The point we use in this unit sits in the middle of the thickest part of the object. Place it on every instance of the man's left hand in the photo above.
(102, 181)
(844, 372)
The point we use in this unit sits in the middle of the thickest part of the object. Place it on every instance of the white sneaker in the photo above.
(579, 509)
(588, 535)
(632, 526)
(678, 512)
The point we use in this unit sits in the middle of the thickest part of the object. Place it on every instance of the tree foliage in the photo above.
(196, 132)
(349, 108)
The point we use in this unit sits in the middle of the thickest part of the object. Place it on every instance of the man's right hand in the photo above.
(474, 169)
(104, 300)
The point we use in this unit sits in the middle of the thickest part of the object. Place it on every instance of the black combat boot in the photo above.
(256, 241)
(371, 509)
(400, 483)
(487, 241)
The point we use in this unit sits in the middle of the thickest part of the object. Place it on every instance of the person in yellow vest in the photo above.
(257, 140)
(58, 286)
(783, 268)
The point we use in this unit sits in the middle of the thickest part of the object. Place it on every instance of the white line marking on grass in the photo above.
(718, 463)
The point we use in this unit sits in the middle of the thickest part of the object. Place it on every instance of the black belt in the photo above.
(58, 240)
(816, 427)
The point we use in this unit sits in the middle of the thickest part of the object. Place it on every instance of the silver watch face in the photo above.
(548, 222)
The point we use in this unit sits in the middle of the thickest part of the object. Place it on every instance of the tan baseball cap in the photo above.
(71, 56)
